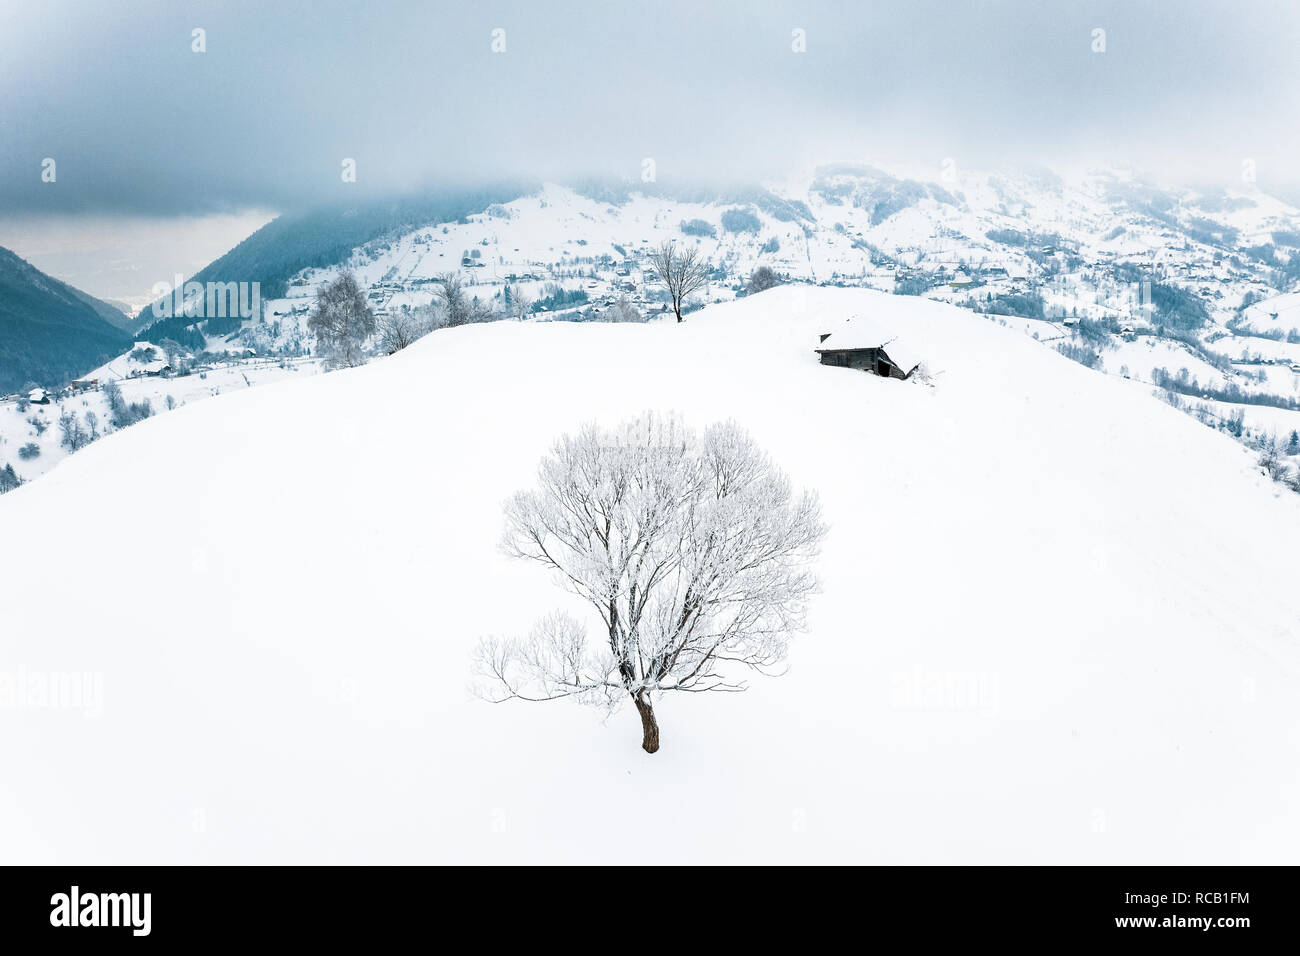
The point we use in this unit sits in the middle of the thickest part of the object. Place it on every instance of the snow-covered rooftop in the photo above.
(857, 332)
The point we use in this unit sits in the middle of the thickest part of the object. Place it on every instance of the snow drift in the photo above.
(1058, 620)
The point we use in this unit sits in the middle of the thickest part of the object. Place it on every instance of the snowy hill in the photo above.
(1179, 288)
(1187, 289)
(1176, 267)
(1022, 653)
(143, 358)
(1278, 314)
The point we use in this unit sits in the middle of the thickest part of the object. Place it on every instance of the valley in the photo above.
(1187, 291)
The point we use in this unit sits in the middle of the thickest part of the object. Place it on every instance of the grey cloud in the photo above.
(413, 92)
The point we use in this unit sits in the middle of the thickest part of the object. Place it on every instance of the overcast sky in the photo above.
(141, 126)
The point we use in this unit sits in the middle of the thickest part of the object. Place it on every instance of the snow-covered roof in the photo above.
(859, 333)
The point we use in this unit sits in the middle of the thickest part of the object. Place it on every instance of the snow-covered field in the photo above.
(39, 424)
(1278, 314)
(1059, 620)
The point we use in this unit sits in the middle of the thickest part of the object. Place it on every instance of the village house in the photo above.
(860, 346)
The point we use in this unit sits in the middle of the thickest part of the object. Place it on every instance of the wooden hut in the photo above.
(857, 346)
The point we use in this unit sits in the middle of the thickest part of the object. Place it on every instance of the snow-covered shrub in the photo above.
(1272, 462)
(763, 278)
(73, 434)
(1085, 356)
(121, 413)
(622, 311)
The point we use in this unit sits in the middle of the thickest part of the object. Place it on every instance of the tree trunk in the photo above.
(649, 726)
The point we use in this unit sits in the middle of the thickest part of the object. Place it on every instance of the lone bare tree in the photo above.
(342, 321)
(452, 299)
(682, 272)
(72, 434)
(692, 549)
(458, 307)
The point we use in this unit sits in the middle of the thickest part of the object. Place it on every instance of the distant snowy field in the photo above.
(39, 424)
(1279, 314)
(1059, 619)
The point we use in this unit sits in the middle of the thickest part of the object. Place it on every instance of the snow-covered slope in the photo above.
(38, 425)
(1278, 314)
(142, 358)
(1059, 618)
(1184, 288)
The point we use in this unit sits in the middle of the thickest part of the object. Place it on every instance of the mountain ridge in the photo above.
(49, 331)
